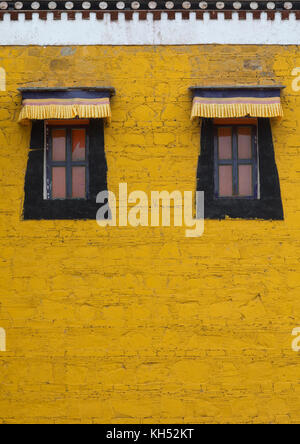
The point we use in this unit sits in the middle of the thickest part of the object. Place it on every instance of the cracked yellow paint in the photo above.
(129, 325)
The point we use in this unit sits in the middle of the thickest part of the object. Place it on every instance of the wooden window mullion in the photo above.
(235, 167)
(216, 158)
(87, 175)
(48, 163)
(255, 163)
(69, 164)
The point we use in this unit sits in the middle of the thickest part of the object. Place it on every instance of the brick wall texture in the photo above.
(127, 325)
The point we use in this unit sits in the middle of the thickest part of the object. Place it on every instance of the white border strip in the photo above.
(149, 32)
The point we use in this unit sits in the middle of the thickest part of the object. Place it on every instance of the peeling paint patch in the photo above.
(253, 64)
(68, 51)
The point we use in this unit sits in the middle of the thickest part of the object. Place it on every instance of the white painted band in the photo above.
(150, 32)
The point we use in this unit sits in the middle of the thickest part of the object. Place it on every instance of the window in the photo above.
(237, 170)
(66, 169)
(67, 162)
(236, 174)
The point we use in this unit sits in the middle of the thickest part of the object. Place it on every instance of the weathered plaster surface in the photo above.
(149, 32)
(137, 325)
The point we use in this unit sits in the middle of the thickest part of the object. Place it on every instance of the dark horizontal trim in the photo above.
(247, 87)
(247, 93)
(143, 14)
(161, 5)
(108, 89)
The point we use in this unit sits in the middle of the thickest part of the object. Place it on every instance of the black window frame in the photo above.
(68, 163)
(235, 162)
(269, 204)
(37, 206)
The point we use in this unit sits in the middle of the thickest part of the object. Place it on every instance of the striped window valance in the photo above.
(230, 102)
(69, 103)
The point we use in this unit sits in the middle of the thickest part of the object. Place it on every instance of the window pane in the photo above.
(225, 143)
(58, 183)
(59, 145)
(78, 182)
(225, 181)
(245, 143)
(78, 144)
(245, 180)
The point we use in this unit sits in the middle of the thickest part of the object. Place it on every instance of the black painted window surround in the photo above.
(269, 204)
(268, 207)
(38, 208)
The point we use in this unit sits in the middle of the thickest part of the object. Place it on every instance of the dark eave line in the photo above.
(75, 88)
(192, 88)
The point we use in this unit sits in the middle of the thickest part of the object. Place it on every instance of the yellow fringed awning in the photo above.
(237, 102)
(69, 111)
(44, 104)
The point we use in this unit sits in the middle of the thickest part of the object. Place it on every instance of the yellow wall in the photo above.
(128, 325)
